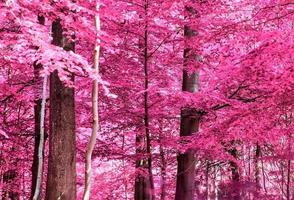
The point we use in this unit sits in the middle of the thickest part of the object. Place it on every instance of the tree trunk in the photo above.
(257, 167)
(38, 188)
(163, 169)
(146, 110)
(61, 182)
(289, 170)
(235, 175)
(207, 182)
(288, 179)
(144, 186)
(142, 182)
(215, 182)
(263, 175)
(37, 111)
(95, 125)
(185, 185)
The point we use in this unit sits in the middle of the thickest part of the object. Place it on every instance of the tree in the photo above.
(95, 128)
(61, 181)
(38, 125)
(189, 124)
(239, 55)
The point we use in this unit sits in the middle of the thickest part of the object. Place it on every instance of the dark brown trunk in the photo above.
(185, 185)
(61, 178)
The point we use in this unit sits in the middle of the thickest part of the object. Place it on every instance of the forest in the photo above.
(146, 99)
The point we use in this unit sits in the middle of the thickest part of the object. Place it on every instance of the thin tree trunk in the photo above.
(288, 170)
(282, 178)
(61, 181)
(123, 164)
(215, 183)
(235, 175)
(37, 111)
(38, 188)
(185, 185)
(146, 106)
(207, 182)
(144, 186)
(163, 170)
(91, 144)
(257, 167)
(263, 175)
(288, 179)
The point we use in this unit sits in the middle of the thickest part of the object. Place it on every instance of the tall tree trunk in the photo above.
(185, 185)
(146, 106)
(37, 112)
(61, 181)
(257, 167)
(144, 186)
(95, 125)
(38, 188)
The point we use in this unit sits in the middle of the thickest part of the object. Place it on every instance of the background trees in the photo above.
(243, 52)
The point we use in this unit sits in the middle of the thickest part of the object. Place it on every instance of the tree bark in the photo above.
(38, 188)
(207, 181)
(289, 170)
(61, 181)
(185, 185)
(163, 170)
(144, 186)
(235, 175)
(288, 179)
(257, 167)
(95, 125)
(37, 111)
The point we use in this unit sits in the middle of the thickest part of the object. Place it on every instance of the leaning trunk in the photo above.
(95, 125)
(61, 181)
